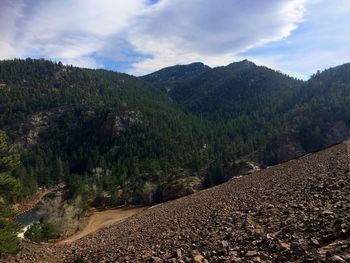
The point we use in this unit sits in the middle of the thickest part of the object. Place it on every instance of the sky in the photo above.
(297, 37)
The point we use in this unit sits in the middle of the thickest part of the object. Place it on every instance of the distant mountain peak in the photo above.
(244, 63)
(177, 72)
(196, 63)
(193, 65)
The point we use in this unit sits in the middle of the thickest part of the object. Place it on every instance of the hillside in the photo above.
(114, 139)
(109, 129)
(173, 75)
(296, 212)
(228, 91)
(239, 88)
(134, 140)
(274, 115)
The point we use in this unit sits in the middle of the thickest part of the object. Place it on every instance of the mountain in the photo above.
(232, 90)
(296, 212)
(176, 73)
(170, 78)
(97, 128)
(257, 107)
(338, 74)
(113, 139)
(120, 139)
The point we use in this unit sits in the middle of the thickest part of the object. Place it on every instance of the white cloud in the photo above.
(71, 31)
(322, 41)
(10, 13)
(306, 34)
(182, 31)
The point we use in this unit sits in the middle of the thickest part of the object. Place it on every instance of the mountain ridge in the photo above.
(140, 136)
(114, 139)
(171, 73)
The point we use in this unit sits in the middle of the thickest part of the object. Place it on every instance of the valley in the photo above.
(175, 131)
(189, 133)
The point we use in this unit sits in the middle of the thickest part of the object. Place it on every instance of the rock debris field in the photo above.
(295, 212)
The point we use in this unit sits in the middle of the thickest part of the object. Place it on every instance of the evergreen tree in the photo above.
(9, 192)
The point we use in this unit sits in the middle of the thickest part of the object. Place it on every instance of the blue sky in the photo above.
(297, 37)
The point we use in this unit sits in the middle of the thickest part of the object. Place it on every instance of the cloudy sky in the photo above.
(140, 36)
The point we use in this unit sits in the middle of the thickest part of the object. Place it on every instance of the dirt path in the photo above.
(102, 219)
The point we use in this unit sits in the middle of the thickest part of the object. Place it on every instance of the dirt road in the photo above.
(102, 219)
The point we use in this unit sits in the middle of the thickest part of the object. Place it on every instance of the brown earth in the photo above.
(101, 219)
(295, 212)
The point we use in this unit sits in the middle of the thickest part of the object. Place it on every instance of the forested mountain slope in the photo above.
(114, 139)
(135, 140)
(176, 74)
(235, 90)
(94, 127)
(265, 109)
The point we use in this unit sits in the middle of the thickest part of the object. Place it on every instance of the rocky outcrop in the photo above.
(294, 212)
(37, 124)
(337, 134)
(27, 205)
(116, 123)
(2, 86)
(181, 187)
(240, 169)
(150, 193)
(63, 213)
(289, 150)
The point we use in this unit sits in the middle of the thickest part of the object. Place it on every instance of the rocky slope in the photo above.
(295, 212)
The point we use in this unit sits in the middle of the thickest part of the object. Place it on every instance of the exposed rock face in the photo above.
(39, 123)
(295, 212)
(62, 73)
(289, 150)
(242, 168)
(117, 123)
(292, 149)
(338, 133)
(182, 187)
(63, 214)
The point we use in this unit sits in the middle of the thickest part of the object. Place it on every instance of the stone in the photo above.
(179, 253)
(315, 242)
(236, 259)
(337, 259)
(198, 259)
(251, 253)
(327, 213)
(224, 244)
(157, 260)
(285, 246)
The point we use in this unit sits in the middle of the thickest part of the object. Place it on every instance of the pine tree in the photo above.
(9, 191)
